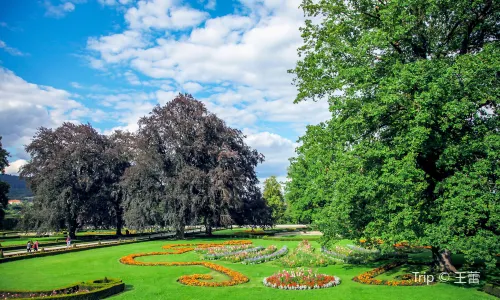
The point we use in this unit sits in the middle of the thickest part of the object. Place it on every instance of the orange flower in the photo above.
(195, 279)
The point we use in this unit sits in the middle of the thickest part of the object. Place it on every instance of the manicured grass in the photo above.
(24, 240)
(159, 282)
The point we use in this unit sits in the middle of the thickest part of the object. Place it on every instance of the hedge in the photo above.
(492, 289)
(97, 289)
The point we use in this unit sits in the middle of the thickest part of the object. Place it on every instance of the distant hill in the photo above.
(18, 188)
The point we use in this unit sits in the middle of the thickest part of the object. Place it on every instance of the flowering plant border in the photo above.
(369, 277)
(300, 279)
(265, 258)
(195, 279)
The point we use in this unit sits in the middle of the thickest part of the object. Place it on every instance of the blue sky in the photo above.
(108, 62)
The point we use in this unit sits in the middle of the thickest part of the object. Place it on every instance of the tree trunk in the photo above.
(72, 232)
(208, 229)
(119, 220)
(442, 260)
(179, 232)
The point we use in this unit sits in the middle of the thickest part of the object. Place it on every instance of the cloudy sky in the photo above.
(108, 62)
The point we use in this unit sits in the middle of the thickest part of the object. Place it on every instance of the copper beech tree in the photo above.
(190, 167)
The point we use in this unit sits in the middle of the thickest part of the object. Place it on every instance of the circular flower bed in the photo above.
(300, 279)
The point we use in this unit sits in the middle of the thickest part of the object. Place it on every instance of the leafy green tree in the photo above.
(273, 196)
(4, 187)
(310, 187)
(414, 134)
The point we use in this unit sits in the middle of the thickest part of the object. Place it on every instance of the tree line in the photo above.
(183, 166)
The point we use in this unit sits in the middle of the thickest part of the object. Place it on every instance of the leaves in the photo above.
(411, 150)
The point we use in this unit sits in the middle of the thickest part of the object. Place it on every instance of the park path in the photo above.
(105, 242)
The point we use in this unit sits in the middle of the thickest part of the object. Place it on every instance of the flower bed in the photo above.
(300, 279)
(94, 289)
(217, 255)
(195, 279)
(263, 258)
(369, 277)
(305, 256)
(352, 254)
(246, 254)
(218, 249)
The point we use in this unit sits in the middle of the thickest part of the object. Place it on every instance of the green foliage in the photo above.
(412, 150)
(274, 198)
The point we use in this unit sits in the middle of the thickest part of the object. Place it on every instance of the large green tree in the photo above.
(4, 187)
(414, 134)
(273, 196)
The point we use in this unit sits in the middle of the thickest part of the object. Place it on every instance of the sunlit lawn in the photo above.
(159, 282)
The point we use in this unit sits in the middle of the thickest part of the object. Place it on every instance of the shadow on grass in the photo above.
(128, 287)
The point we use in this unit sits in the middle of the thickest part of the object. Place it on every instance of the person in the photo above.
(28, 247)
(68, 242)
(35, 246)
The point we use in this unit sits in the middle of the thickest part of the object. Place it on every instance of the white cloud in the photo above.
(210, 4)
(163, 14)
(11, 50)
(58, 11)
(276, 150)
(113, 2)
(13, 168)
(239, 61)
(132, 78)
(27, 106)
(192, 87)
(76, 85)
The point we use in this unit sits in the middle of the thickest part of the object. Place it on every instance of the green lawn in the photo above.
(159, 282)
(23, 240)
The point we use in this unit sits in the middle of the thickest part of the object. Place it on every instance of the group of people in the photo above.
(31, 246)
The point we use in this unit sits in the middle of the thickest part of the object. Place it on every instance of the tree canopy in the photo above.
(412, 150)
(189, 167)
(73, 171)
(273, 196)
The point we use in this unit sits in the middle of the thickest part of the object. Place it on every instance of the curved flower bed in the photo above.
(300, 279)
(246, 255)
(218, 249)
(231, 253)
(195, 279)
(369, 277)
(263, 258)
